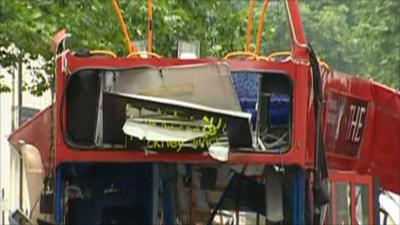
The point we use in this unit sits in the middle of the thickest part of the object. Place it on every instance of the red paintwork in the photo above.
(294, 156)
(58, 39)
(352, 179)
(296, 31)
(379, 149)
(36, 131)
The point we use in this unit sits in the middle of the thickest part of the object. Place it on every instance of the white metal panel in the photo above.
(204, 84)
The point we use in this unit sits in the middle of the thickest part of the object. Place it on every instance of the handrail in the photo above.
(299, 51)
(149, 25)
(283, 53)
(249, 25)
(144, 52)
(260, 26)
(289, 54)
(103, 52)
(239, 53)
(131, 47)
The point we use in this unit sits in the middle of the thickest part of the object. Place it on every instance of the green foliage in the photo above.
(3, 88)
(358, 37)
(378, 33)
(331, 34)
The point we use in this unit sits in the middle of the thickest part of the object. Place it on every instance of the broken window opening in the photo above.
(193, 108)
(149, 193)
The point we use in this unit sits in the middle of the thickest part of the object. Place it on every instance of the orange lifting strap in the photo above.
(260, 26)
(149, 25)
(130, 45)
(246, 51)
(249, 25)
(135, 54)
(103, 52)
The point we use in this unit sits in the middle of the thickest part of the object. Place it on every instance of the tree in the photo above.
(358, 37)
(94, 25)
(378, 34)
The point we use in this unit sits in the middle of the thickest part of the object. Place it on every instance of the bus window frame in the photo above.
(353, 179)
(300, 152)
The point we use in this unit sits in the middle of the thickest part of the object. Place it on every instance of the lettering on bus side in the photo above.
(345, 123)
(356, 123)
(210, 129)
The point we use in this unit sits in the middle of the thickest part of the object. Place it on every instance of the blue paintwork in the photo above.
(58, 195)
(168, 203)
(298, 196)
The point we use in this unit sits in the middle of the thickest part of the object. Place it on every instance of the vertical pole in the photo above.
(2, 210)
(21, 202)
(168, 202)
(1, 172)
(13, 106)
(21, 179)
(149, 25)
(191, 199)
(19, 91)
(155, 199)
(374, 206)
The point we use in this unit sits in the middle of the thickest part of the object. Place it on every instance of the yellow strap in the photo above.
(103, 52)
(232, 54)
(274, 54)
(129, 44)
(149, 25)
(260, 26)
(324, 64)
(289, 54)
(152, 54)
(262, 58)
(249, 25)
(283, 53)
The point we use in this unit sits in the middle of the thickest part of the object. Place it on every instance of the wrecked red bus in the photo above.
(248, 139)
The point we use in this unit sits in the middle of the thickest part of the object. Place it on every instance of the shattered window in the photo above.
(362, 204)
(194, 108)
(148, 193)
(343, 203)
